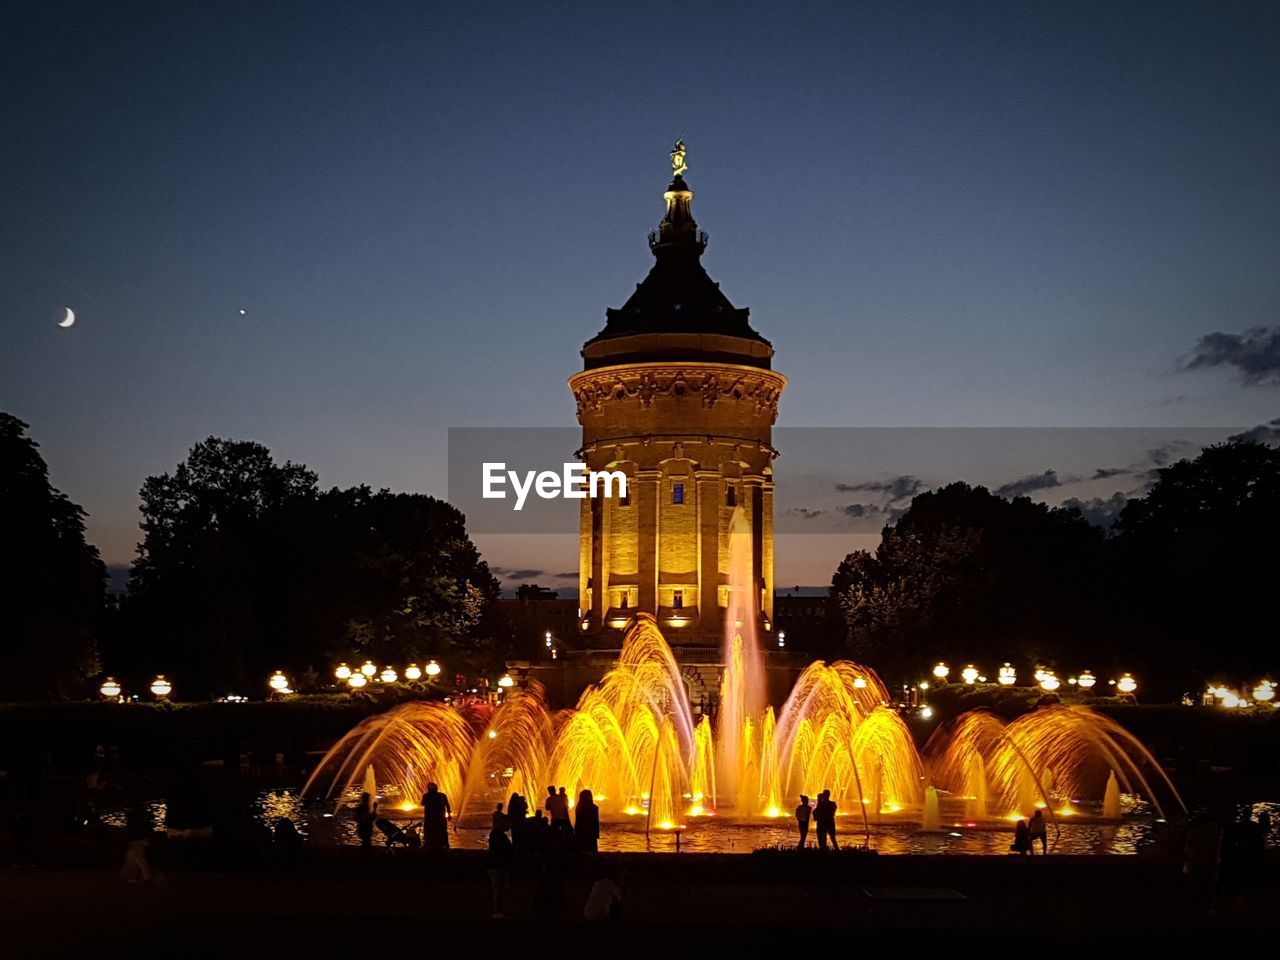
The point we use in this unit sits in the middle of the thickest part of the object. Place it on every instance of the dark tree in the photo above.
(246, 567)
(51, 581)
(967, 573)
(1203, 566)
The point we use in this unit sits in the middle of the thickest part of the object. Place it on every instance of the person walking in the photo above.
(587, 825)
(803, 816)
(435, 819)
(499, 865)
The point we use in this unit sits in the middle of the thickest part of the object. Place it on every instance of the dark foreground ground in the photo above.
(687, 904)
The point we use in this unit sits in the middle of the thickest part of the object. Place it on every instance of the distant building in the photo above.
(534, 612)
(801, 614)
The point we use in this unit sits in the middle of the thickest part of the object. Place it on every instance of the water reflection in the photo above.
(1137, 833)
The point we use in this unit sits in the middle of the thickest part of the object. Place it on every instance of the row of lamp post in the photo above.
(1045, 678)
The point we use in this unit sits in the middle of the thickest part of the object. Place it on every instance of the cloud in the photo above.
(1254, 354)
(857, 510)
(804, 513)
(567, 575)
(898, 489)
(1268, 432)
(1106, 473)
(503, 573)
(1099, 512)
(1029, 484)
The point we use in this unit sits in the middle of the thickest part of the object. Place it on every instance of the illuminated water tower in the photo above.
(678, 393)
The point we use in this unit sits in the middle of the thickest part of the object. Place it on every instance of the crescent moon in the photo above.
(69, 319)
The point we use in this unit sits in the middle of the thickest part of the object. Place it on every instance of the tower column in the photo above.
(710, 499)
(648, 493)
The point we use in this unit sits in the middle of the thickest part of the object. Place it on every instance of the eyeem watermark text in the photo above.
(574, 482)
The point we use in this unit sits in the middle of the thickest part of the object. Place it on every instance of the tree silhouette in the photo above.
(1182, 590)
(51, 580)
(246, 566)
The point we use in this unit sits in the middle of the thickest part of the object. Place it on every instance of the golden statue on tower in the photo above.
(678, 166)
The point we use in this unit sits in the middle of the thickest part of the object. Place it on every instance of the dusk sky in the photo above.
(940, 214)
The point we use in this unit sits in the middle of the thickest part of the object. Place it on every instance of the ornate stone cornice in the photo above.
(712, 383)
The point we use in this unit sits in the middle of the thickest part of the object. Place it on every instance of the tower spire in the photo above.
(678, 231)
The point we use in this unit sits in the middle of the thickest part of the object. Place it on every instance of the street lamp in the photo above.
(1087, 680)
(357, 680)
(940, 670)
(342, 672)
(279, 682)
(160, 687)
(1265, 691)
(1007, 675)
(388, 675)
(110, 688)
(782, 639)
(412, 672)
(969, 674)
(506, 682)
(1049, 682)
(1126, 684)
(433, 669)
(368, 669)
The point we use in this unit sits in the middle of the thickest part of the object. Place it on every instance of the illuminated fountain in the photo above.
(1053, 758)
(633, 741)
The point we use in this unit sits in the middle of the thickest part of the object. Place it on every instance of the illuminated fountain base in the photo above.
(633, 741)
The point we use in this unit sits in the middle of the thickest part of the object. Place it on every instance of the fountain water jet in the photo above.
(632, 740)
(931, 821)
(742, 689)
(1111, 798)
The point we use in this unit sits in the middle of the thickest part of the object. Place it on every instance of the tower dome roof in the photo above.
(678, 312)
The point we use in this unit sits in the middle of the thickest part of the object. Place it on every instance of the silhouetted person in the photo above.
(803, 814)
(1021, 839)
(561, 819)
(497, 813)
(824, 816)
(1036, 830)
(500, 859)
(548, 896)
(587, 825)
(138, 829)
(604, 902)
(285, 837)
(518, 811)
(435, 819)
(534, 839)
(551, 804)
(1202, 855)
(366, 814)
